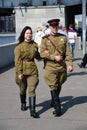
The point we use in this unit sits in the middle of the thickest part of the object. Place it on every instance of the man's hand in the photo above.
(46, 51)
(70, 68)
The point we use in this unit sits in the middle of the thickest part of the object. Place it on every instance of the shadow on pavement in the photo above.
(66, 103)
(77, 73)
(44, 106)
(70, 101)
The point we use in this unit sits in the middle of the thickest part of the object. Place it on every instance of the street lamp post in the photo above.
(84, 26)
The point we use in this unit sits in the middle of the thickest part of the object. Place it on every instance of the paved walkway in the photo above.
(73, 100)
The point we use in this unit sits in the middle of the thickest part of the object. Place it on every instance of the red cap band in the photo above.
(53, 22)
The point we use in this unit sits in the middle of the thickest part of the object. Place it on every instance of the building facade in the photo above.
(15, 3)
(36, 17)
(13, 12)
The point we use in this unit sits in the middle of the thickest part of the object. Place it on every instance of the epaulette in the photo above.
(32, 41)
(60, 34)
(46, 36)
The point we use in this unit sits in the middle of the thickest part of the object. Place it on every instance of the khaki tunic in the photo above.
(55, 72)
(23, 51)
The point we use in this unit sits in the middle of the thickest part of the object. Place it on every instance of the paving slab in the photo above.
(73, 101)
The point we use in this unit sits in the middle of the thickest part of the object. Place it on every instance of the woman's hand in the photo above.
(58, 58)
(20, 76)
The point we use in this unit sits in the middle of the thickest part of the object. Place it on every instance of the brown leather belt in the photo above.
(28, 60)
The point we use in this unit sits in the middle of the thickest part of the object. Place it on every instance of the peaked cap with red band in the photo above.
(53, 22)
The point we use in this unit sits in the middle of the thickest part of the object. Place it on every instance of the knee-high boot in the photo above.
(52, 101)
(32, 104)
(23, 102)
(56, 101)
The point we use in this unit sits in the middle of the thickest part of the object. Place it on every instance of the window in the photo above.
(7, 23)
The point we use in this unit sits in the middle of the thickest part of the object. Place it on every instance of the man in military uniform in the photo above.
(54, 49)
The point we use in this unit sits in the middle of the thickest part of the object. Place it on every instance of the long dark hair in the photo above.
(21, 37)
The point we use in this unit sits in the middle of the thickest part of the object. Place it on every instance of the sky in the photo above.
(78, 17)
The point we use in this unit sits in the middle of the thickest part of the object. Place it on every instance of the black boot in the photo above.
(52, 101)
(23, 102)
(81, 65)
(32, 103)
(56, 100)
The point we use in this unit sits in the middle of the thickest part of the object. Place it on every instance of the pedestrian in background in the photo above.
(62, 30)
(54, 48)
(38, 36)
(79, 34)
(47, 30)
(72, 36)
(26, 70)
(83, 62)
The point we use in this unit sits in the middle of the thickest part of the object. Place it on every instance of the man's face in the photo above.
(54, 29)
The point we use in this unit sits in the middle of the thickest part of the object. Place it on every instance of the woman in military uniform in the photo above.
(54, 48)
(26, 70)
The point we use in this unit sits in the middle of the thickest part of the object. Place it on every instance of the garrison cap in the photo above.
(53, 22)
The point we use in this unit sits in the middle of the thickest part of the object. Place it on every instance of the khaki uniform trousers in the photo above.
(54, 79)
(28, 82)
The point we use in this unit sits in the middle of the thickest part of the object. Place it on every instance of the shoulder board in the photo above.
(45, 36)
(32, 41)
(61, 34)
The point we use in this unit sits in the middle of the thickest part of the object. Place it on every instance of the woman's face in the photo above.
(28, 35)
